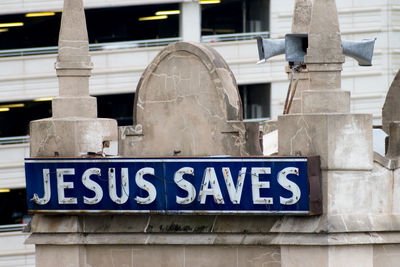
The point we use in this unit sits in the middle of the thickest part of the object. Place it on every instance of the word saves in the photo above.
(187, 185)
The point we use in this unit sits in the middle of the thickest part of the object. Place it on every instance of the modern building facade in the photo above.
(125, 36)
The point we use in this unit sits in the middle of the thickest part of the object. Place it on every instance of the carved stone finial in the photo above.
(324, 53)
(301, 16)
(391, 108)
(391, 119)
(73, 65)
(324, 61)
(73, 38)
(74, 129)
(324, 41)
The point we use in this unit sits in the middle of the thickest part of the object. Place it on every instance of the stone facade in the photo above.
(356, 190)
(190, 95)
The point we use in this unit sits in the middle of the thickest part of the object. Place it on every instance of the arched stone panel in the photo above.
(187, 103)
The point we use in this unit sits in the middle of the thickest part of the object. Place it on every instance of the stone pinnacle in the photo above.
(73, 65)
(324, 54)
(301, 16)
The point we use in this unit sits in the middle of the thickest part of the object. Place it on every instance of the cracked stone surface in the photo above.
(187, 104)
(343, 141)
(301, 16)
(74, 129)
(158, 255)
(324, 41)
(324, 61)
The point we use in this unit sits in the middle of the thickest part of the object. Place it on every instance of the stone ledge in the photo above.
(390, 164)
(72, 136)
(170, 224)
(207, 224)
(346, 223)
(217, 239)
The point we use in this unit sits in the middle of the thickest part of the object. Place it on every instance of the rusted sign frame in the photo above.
(314, 181)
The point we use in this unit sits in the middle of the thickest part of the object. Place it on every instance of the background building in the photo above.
(125, 36)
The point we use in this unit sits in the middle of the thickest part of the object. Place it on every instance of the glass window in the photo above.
(15, 117)
(118, 107)
(13, 208)
(104, 25)
(255, 100)
(223, 18)
(235, 16)
(257, 15)
(124, 24)
(35, 32)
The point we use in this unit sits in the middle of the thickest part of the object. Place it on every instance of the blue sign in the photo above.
(256, 185)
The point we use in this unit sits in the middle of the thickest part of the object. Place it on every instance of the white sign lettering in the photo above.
(145, 185)
(257, 185)
(92, 185)
(47, 192)
(112, 185)
(61, 186)
(289, 185)
(185, 185)
(235, 194)
(209, 186)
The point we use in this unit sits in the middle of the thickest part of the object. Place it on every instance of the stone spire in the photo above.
(391, 119)
(324, 41)
(74, 130)
(301, 16)
(325, 108)
(73, 65)
(300, 24)
(391, 107)
(324, 61)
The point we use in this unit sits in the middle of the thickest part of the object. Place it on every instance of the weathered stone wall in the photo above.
(167, 256)
(187, 104)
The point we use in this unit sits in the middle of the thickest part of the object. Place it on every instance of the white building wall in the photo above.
(12, 171)
(13, 251)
